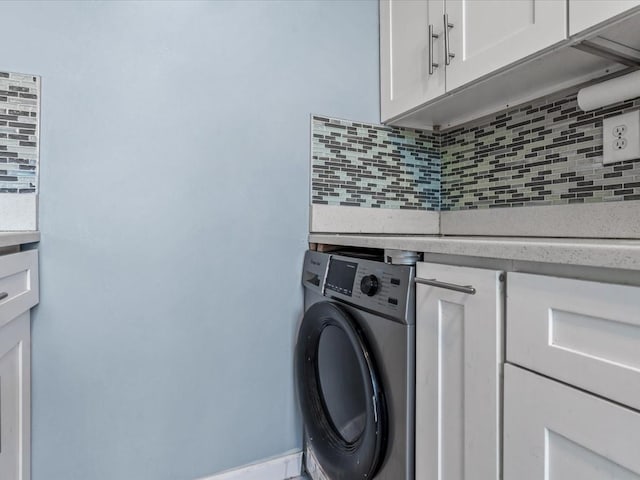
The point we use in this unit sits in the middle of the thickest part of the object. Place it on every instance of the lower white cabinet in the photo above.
(18, 293)
(555, 432)
(580, 420)
(19, 289)
(15, 399)
(459, 355)
(580, 332)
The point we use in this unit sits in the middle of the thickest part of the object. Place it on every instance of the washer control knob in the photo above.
(369, 285)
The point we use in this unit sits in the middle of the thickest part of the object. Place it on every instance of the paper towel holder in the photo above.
(608, 92)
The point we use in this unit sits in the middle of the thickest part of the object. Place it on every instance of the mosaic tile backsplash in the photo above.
(361, 165)
(547, 152)
(19, 119)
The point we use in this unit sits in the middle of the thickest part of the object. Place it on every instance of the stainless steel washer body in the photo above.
(355, 368)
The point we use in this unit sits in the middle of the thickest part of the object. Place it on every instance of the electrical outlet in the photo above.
(621, 137)
(619, 131)
(620, 144)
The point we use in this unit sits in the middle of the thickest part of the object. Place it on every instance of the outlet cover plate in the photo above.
(610, 126)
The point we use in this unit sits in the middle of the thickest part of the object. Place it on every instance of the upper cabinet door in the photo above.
(584, 14)
(486, 35)
(406, 80)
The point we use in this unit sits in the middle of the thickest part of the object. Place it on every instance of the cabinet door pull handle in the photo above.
(432, 37)
(447, 42)
(3, 295)
(449, 286)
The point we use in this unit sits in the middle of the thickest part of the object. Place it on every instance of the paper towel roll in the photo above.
(610, 91)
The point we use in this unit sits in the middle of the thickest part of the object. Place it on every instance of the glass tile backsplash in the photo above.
(547, 152)
(19, 119)
(355, 164)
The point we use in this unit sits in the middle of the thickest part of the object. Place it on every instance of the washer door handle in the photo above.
(449, 286)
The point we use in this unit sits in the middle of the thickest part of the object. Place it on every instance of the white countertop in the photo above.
(622, 254)
(10, 239)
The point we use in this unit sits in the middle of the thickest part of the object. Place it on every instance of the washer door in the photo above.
(340, 394)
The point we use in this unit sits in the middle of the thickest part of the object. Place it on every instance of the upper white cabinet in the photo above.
(446, 62)
(421, 58)
(486, 35)
(585, 14)
(414, 59)
(459, 358)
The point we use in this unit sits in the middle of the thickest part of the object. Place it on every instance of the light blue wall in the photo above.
(174, 191)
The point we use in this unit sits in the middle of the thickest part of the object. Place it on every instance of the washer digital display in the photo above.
(341, 276)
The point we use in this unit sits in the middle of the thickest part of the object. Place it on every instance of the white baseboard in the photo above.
(277, 468)
(340, 219)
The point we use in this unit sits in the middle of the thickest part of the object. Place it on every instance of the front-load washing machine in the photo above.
(355, 368)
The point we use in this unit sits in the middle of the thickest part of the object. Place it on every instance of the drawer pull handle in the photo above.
(3, 295)
(449, 286)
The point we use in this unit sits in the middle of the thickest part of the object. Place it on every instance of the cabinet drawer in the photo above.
(555, 432)
(18, 284)
(584, 333)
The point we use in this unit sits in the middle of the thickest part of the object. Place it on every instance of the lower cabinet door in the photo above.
(555, 432)
(459, 359)
(15, 399)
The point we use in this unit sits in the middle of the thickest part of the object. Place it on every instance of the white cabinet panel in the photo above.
(555, 432)
(584, 14)
(583, 333)
(19, 289)
(405, 79)
(458, 374)
(15, 399)
(490, 34)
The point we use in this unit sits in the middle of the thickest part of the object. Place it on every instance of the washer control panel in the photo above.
(375, 286)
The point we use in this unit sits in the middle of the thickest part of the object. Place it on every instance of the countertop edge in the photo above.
(11, 239)
(602, 253)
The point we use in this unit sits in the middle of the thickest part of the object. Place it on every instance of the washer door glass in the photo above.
(341, 398)
(341, 383)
